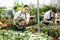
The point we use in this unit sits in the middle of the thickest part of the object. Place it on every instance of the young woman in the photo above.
(25, 15)
(50, 16)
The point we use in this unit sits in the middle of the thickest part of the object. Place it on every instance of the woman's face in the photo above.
(25, 9)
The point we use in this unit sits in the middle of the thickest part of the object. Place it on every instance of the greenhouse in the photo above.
(29, 19)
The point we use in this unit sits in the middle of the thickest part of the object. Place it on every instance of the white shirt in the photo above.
(47, 15)
(27, 17)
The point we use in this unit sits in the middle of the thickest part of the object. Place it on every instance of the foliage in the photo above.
(41, 25)
(33, 11)
(2, 9)
(41, 18)
(7, 24)
(17, 35)
(44, 30)
(51, 24)
(59, 9)
(32, 30)
(31, 23)
(46, 8)
(17, 6)
(54, 32)
(6, 17)
(0, 26)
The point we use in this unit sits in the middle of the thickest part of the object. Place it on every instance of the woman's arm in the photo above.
(55, 19)
(28, 18)
(48, 21)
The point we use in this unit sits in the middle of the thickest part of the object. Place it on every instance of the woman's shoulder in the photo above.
(48, 12)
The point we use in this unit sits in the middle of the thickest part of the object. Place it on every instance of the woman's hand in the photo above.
(55, 22)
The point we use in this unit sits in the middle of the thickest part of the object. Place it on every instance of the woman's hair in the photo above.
(54, 9)
(26, 6)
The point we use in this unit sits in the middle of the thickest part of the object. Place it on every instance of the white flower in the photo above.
(1, 38)
(16, 33)
(29, 33)
(26, 35)
(12, 37)
(6, 33)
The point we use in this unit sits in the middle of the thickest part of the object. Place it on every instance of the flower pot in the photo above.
(21, 27)
(9, 24)
(55, 38)
(2, 18)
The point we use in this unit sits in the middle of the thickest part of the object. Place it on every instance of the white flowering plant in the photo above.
(17, 35)
(20, 22)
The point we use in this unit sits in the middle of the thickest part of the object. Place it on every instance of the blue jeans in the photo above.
(16, 29)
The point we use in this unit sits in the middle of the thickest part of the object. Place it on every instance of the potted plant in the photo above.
(20, 22)
(53, 32)
(43, 29)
